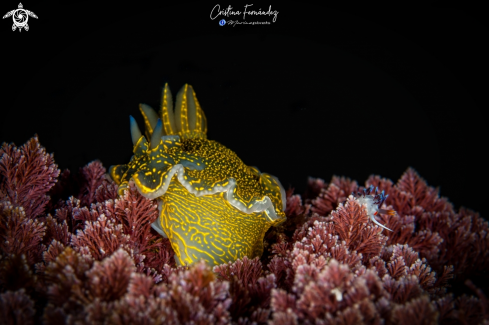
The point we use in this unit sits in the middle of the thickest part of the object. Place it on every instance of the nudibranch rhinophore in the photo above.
(211, 205)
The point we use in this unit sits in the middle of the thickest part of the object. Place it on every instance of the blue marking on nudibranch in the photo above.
(373, 201)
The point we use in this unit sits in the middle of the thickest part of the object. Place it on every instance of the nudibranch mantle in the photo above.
(211, 205)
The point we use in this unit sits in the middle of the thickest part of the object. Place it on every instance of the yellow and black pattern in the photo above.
(212, 205)
(207, 228)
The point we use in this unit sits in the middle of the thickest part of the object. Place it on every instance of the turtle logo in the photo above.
(20, 17)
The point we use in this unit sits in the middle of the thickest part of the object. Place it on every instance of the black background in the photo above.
(323, 91)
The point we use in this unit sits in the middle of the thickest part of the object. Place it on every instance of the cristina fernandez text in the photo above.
(216, 12)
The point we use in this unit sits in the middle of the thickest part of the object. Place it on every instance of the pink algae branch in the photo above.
(72, 250)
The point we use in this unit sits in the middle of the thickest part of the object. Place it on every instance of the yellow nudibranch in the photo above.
(211, 205)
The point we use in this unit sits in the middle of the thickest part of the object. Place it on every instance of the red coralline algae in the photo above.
(73, 251)
(27, 172)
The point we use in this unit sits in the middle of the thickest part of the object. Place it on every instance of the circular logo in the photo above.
(20, 16)
(222, 22)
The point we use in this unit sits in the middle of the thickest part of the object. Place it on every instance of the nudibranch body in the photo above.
(372, 202)
(211, 205)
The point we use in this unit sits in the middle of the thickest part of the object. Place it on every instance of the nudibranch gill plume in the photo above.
(211, 205)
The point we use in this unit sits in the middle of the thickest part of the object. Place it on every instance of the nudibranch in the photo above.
(373, 201)
(211, 205)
